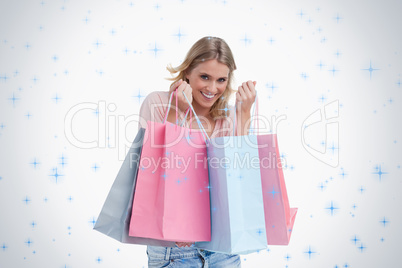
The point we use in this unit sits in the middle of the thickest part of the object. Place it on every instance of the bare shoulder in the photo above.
(153, 107)
(157, 97)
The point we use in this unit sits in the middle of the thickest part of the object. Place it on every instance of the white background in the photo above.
(304, 55)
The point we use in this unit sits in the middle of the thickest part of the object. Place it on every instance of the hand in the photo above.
(184, 244)
(182, 86)
(245, 96)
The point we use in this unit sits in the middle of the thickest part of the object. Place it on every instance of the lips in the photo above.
(208, 96)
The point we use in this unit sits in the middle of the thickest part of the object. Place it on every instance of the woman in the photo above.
(205, 78)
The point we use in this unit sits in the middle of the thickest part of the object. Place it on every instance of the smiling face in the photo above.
(208, 81)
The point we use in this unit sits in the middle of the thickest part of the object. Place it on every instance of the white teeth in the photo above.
(209, 96)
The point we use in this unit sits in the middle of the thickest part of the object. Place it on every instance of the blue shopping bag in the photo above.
(237, 209)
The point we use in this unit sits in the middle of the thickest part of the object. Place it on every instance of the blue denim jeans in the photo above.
(189, 257)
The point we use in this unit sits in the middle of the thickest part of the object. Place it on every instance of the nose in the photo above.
(212, 86)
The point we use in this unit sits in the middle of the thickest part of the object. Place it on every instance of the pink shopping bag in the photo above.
(279, 217)
(172, 194)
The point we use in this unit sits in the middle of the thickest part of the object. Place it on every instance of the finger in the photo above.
(240, 90)
(188, 90)
(176, 84)
(184, 88)
(184, 94)
(238, 98)
(183, 244)
(251, 89)
(181, 88)
(247, 89)
(251, 86)
(189, 93)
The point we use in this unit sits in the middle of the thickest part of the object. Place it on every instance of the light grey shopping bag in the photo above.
(115, 216)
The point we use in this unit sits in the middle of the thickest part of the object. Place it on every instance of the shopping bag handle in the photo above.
(254, 119)
(198, 122)
(185, 116)
(168, 109)
(203, 132)
(189, 110)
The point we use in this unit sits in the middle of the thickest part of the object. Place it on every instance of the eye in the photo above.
(222, 80)
(204, 77)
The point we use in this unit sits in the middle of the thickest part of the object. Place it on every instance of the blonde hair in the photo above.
(208, 48)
